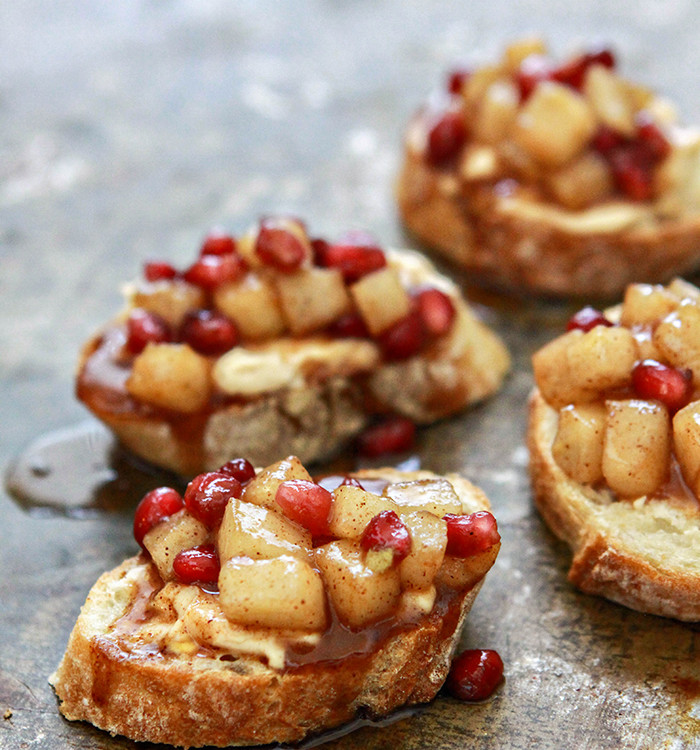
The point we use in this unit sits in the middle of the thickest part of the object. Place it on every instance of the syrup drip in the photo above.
(79, 472)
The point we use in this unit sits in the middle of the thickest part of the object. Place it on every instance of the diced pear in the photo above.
(602, 358)
(464, 572)
(434, 495)
(353, 508)
(171, 299)
(416, 602)
(172, 535)
(312, 298)
(684, 289)
(478, 162)
(517, 51)
(686, 444)
(637, 446)
(582, 181)
(359, 595)
(253, 306)
(554, 124)
(262, 489)
(428, 544)
(610, 99)
(284, 592)
(496, 112)
(578, 445)
(477, 83)
(678, 337)
(172, 376)
(645, 304)
(381, 299)
(254, 531)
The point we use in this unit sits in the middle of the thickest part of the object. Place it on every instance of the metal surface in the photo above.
(128, 129)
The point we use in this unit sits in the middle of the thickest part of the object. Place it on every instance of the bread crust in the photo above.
(482, 231)
(336, 401)
(629, 552)
(191, 701)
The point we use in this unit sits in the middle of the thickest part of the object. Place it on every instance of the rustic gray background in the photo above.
(129, 128)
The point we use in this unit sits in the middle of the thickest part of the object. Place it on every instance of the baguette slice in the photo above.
(625, 499)
(287, 389)
(168, 678)
(527, 194)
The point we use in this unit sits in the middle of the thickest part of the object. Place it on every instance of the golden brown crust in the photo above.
(631, 553)
(487, 234)
(193, 701)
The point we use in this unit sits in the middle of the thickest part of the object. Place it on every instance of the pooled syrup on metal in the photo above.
(81, 471)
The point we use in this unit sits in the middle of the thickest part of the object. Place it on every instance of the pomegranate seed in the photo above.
(403, 339)
(573, 73)
(446, 138)
(209, 332)
(436, 310)
(144, 327)
(197, 564)
(307, 503)
(356, 254)
(153, 508)
(348, 326)
(671, 386)
(533, 70)
(586, 319)
(456, 80)
(240, 469)
(471, 535)
(391, 435)
(606, 139)
(475, 674)
(386, 531)
(206, 496)
(277, 246)
(351, 482)
(218, 243)
(649, 134)
(158, 270)
(210, 271)
(631, 168)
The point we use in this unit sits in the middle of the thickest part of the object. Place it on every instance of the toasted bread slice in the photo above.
(613, 464)
(292, 377)
(160, 661)
(548, 182)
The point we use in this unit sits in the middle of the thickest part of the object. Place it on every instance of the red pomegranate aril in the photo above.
(210, 271)
(240, 469)
(437, 311)
(278, 247)
(206, 496)
(471, 535)
(155, 506)
(475, 674)
(671, 386)
(631, 166)
(650, 135)
(386, 531)
(356, 254)
(197, 564)
(573, 73)
(606, 139)
(348, 326)
(143, 327)
(158, 270)
(586, 319)
(306, 503)
(533, 70)
(602, 56)
(456, 80)
(390, 435)
(208, 332)
(218, 243)
(351, 482)
(446, 138)
(403, 339)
